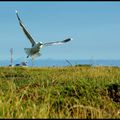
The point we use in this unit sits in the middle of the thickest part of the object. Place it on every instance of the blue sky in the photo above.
(94, 27)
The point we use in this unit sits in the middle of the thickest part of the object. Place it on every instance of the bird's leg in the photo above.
(32, 61)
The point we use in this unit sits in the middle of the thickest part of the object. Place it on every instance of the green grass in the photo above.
(60, 92)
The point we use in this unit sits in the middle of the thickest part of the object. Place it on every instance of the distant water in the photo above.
(49, 62)
(76, 62)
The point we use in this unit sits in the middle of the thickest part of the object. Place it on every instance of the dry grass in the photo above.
(60, 92)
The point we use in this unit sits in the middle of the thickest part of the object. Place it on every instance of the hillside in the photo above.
(60, 92)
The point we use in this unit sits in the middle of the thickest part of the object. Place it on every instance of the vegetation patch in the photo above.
(60, 92)
(114, 92)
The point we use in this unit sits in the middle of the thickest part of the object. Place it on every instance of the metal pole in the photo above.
(11, 51)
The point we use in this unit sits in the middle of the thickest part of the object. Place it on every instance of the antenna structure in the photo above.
(11, 55)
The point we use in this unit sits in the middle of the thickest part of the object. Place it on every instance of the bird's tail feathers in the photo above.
(27, 50)
(36, 55)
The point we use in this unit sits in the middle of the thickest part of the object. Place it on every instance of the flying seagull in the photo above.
(34, 51)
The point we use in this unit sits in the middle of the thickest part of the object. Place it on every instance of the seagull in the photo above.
(34, 51)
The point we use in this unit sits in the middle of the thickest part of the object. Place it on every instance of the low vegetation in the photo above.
(60, 92)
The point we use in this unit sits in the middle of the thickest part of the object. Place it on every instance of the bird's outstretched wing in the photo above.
(25, 30)
(57, 42)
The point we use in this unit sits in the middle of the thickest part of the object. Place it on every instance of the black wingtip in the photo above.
(67, 40)
(17, 15)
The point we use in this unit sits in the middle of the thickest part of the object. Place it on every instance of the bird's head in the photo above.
(39, 44)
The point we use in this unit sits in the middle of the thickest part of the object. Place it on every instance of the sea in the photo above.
(66, 62)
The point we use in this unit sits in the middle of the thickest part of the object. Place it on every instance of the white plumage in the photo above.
(35, 49)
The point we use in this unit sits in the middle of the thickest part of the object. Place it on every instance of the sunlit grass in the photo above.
(60, 92)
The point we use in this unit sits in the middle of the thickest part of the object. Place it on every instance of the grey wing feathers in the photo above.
(57, 42)
(25, 30)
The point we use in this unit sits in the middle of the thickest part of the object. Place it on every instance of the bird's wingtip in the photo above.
(70, 39)
(16, 11)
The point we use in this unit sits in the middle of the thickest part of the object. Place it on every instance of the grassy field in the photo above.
(60, 92)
